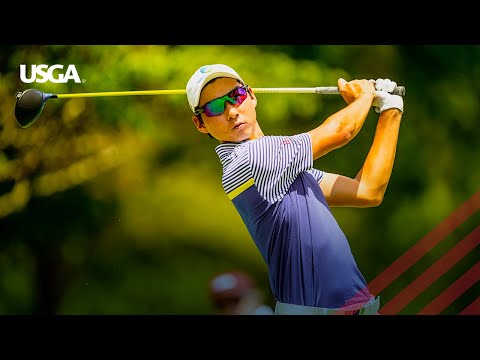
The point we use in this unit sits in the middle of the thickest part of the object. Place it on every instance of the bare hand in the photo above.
(351, 90)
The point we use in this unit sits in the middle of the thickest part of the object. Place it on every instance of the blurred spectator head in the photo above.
(236, 293)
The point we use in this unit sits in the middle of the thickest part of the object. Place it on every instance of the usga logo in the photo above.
(43, 73)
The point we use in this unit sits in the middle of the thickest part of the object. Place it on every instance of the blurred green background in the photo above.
(114, 205)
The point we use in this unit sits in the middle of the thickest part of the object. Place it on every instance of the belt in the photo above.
(370, 308)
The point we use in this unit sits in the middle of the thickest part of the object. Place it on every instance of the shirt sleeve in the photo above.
(277, 160)
(317, 174)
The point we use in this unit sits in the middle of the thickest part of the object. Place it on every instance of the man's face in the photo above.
(237, 122)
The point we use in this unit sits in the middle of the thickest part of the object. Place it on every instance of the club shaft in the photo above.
(312, 90)
(398, 90)
(305, 90)
(121, 93)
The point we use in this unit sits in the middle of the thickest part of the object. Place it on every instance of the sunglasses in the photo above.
(216, 107)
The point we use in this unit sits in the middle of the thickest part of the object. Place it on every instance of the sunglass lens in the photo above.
(239, 94)
(215, 107)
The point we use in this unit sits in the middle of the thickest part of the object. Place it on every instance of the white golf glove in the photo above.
(384, 100)
(384, 85)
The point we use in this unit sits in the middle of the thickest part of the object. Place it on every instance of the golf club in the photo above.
(31, 102)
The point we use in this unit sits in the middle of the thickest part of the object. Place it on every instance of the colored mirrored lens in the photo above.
(217, 106)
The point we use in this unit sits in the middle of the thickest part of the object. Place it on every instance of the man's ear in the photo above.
(199, 124)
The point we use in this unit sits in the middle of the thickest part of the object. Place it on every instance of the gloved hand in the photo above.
(384, 85)
(383, 99)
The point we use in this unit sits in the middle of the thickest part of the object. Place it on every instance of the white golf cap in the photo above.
(203, 75)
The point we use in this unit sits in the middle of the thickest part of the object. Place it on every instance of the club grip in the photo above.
(398, 90)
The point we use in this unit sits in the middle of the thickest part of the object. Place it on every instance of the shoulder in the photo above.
(281, 140)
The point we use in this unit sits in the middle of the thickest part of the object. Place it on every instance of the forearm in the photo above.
(377, 168)
(341, 127)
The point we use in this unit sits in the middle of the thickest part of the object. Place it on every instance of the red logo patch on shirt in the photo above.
(286, 142)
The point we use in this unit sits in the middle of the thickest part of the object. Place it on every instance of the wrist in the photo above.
(369, 93)
(392, 102)
(372, 93)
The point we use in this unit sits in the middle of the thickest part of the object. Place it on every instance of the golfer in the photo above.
(284, 201)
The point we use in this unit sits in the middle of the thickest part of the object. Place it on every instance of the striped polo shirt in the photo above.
(275, 189)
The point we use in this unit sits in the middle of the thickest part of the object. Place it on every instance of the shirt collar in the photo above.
(224, 150)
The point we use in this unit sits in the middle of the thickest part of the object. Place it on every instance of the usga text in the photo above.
(43, 73)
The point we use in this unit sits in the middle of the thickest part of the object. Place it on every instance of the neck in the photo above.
(258, 133)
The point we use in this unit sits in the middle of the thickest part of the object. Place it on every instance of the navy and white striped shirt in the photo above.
(274, 187)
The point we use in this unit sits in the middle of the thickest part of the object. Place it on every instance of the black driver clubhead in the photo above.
(29, 106)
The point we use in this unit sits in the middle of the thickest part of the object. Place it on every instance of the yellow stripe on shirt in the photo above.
(234, 193)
